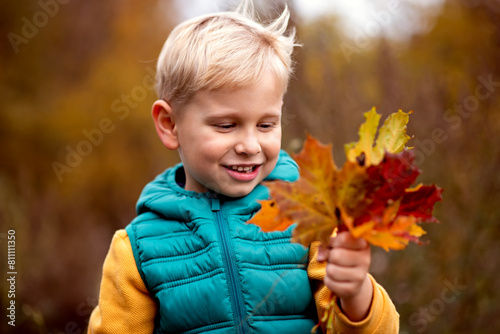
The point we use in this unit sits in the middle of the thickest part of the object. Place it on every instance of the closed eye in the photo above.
(267, 126)
(224, 126)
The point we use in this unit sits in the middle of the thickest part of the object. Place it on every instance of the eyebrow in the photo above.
(236, 114)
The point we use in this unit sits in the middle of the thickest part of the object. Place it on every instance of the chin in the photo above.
(238, 193)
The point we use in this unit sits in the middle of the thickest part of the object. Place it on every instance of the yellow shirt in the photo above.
(125, 305)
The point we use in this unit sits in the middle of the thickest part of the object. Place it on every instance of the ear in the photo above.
(165, 124)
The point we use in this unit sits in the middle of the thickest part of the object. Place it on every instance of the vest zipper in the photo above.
(232, 271)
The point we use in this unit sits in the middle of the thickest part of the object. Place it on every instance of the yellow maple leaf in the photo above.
(370, 200)
(391, 138)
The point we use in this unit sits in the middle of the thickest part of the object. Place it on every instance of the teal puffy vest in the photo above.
(211, 272)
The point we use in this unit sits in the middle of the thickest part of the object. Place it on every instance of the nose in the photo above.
(248, 145)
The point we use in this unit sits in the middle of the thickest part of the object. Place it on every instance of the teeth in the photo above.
(246, 169)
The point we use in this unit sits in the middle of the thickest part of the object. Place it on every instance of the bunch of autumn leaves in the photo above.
(371, 195)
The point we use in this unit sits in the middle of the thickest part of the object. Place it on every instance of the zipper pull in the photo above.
(215, 204)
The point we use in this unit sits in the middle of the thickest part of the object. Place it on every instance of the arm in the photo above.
(348, 260)
(380, 317)
(125, 305)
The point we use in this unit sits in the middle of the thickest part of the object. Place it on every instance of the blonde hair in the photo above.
(223, 50)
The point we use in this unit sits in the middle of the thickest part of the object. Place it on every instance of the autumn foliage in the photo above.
(67, 78)
(371, 195)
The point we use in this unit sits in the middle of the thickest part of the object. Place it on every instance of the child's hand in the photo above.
(347, 273)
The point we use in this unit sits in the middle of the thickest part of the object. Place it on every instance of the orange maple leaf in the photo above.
(372, 202)
(370, 196)
(269, 218)
(309, 201)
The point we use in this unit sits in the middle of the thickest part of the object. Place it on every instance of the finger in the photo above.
(342, 289)
(346, 240)
(344, 274)
(322, 253)
(350, 258)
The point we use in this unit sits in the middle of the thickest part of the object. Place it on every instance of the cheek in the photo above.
(273, 144)
(197, 138)
(204, 149)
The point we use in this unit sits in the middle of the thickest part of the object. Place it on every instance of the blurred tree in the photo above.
(450, 76)
(78, 145)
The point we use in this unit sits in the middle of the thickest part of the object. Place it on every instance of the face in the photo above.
(229, 140)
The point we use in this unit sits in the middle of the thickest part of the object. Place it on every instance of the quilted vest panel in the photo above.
(211, 272)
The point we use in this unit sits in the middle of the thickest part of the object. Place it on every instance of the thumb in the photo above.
(322, 254)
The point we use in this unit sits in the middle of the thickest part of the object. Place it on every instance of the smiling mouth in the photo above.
(243, 173)
(242, 169)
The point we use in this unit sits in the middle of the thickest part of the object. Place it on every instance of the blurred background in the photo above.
(77, 142)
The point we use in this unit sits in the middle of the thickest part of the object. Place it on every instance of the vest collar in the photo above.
(166, 196)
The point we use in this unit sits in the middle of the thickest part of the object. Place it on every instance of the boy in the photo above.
(189, 262)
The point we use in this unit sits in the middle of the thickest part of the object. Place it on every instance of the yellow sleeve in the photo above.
(125, 305)
(382, 317)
